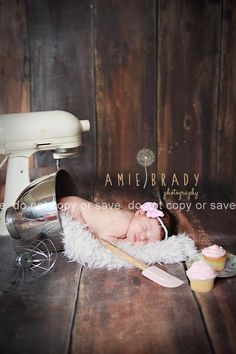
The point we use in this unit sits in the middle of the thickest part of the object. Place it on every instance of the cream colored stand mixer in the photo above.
(23, 134)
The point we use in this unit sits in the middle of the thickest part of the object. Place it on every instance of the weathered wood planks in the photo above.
(219, 227)
(36, 317)
(14, 63)
(61, 61)
(125, 66)
(118, 42)
(146, 74)
(219, 307)
(219, 312)
(227, 100)
(188, 66)
(117, 311)
(14, 59)
(190, 224)
(122, 312)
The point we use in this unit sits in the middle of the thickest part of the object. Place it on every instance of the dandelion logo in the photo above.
(145, 158)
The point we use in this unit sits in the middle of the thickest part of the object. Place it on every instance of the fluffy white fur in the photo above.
(80, 246)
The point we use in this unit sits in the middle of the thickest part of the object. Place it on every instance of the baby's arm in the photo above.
(104, 224)
(72, 206)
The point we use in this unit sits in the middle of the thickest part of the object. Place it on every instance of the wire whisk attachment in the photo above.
(36, 260)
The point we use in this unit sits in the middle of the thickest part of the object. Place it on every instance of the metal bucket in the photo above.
(35, 215)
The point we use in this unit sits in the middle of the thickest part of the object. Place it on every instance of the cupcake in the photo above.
(201, 277)
(215, 256)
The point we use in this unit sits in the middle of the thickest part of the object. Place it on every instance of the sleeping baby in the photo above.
(148, 224)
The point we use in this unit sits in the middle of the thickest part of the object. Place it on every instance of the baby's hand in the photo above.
(140, 212)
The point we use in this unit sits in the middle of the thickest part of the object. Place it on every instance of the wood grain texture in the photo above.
(125, 64)
(14, 63)
(123, 312)
(61, 49)
(70, 43)
(36, 317)
(219, 227)
(190, 223)
(188, 58)
(14, 60)
(227, 99)
(223, 328)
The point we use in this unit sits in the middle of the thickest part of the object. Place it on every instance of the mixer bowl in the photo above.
(35, 215)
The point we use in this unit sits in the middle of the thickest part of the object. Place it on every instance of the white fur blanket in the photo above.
(80, 246)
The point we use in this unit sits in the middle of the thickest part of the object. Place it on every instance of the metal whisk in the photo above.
(36, 260)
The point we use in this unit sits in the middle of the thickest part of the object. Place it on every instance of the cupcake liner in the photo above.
(217, 264)
(202, 286)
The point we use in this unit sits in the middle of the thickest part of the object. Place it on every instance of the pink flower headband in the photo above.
(152, 211)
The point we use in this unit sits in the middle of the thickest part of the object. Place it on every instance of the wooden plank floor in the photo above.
(122, 312)
(36, 317)
(218, 308)
(77, 310)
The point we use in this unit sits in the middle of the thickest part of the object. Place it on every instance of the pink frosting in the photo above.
(214, 251)
(201, 270)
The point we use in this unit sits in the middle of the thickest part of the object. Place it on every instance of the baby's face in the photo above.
(143, 230)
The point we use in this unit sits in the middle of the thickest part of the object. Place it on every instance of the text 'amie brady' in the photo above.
(130, 179)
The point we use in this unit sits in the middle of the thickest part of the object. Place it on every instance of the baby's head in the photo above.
(150, 224)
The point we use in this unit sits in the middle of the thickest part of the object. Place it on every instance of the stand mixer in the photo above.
(23, 134)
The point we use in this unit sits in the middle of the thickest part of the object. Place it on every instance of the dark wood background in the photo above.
(147, 74)
(155, 74)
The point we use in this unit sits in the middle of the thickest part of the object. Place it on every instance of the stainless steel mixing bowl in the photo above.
(35, 215)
